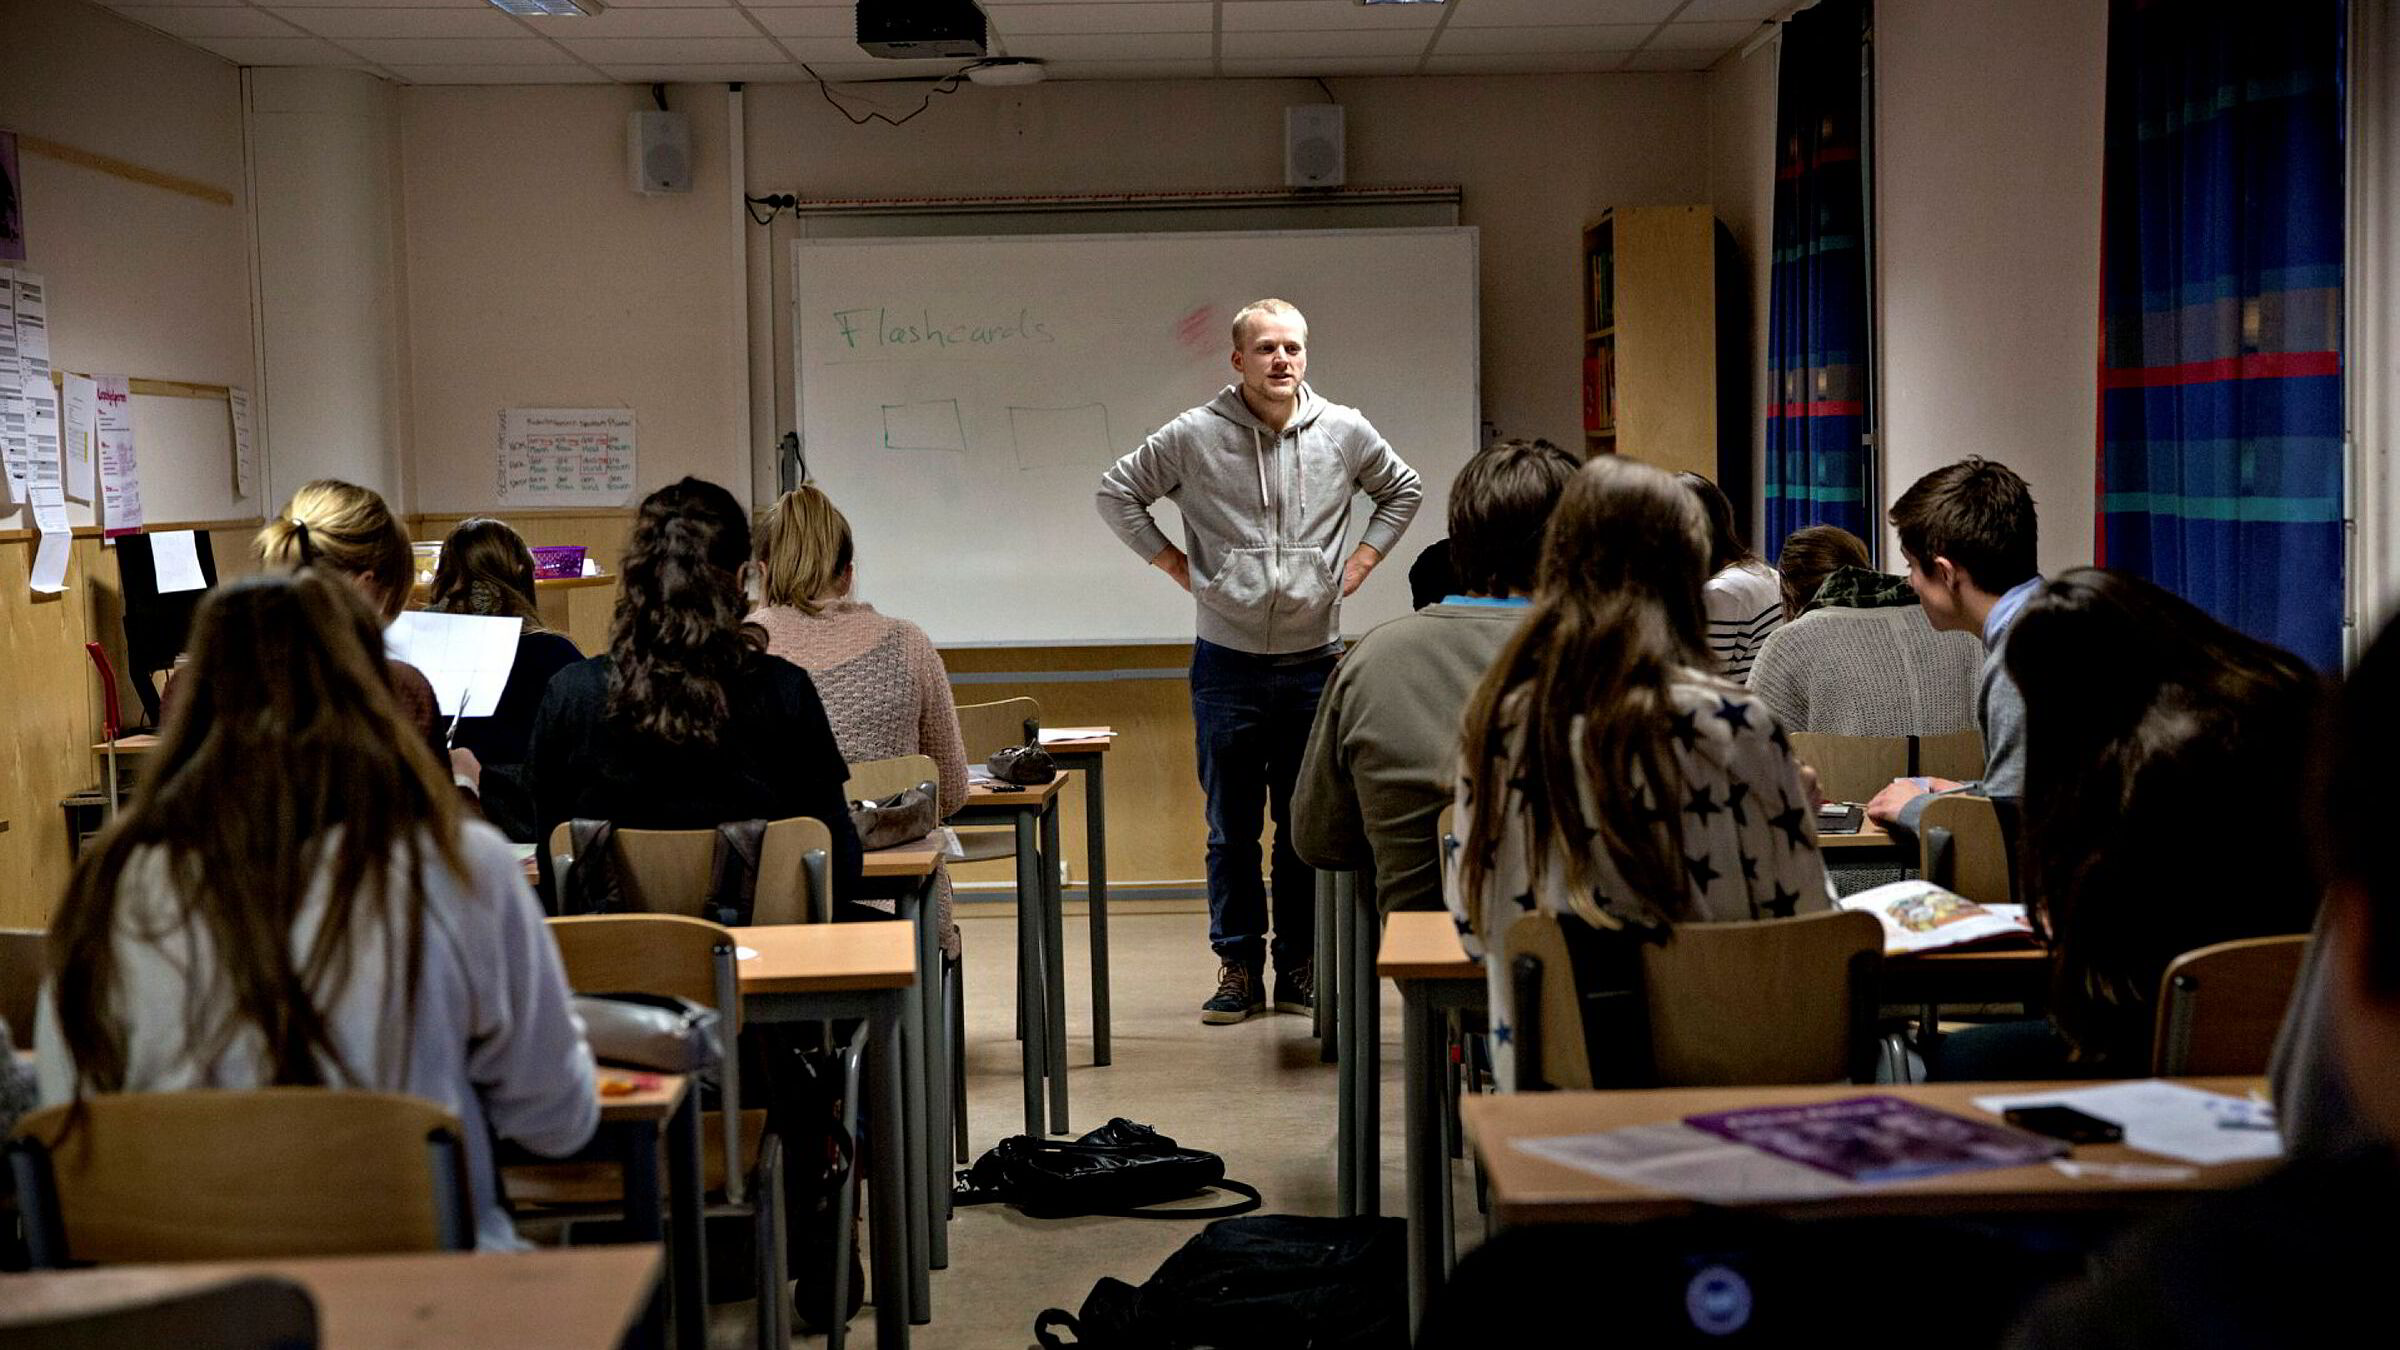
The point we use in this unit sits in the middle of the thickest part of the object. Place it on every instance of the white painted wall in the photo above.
(332, 303)
(1741, 188)
(1988, 118)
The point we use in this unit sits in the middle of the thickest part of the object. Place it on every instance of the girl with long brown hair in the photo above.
(686, 722)
(293, 899)
(1605, 773)
(486, 569)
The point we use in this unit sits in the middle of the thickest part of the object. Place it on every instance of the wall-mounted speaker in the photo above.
(658, 152)
(1312, 145)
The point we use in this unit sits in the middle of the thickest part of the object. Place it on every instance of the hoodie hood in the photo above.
(1230, 405)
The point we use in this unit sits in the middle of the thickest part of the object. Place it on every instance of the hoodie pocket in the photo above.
(1308, 590)
(1239, 585)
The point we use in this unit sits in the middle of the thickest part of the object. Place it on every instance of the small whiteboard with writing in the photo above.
(960, 397)
(566, 457)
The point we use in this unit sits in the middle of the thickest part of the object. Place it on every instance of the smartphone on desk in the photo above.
(2064, 1122)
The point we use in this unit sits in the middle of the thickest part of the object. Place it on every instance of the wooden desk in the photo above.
(568, 1298)
(1528, 1189)
(1088, 755)
(632, 1125)
(1421, 953)
(828, 972)
(1870, 836)
(1977, 975)
(904, 861)
(1041, 939)
(141, 743)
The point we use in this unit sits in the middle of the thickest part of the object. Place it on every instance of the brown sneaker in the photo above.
(1237, 996)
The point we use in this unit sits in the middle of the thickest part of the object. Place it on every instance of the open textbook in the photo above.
(1918, 916)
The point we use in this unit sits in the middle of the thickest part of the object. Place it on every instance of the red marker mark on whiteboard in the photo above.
(1198, 329)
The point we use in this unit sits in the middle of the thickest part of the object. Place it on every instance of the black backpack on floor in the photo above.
(1266, 1282)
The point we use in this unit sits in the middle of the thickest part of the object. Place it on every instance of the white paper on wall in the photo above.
(50, 518)
(245, 451)
(79, 410)
(15, 444)
(566, 457)
(33, 357)
(120, 474)
(176, 555)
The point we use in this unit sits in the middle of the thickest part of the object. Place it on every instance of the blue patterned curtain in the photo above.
(2221, 373)
(1817, 321)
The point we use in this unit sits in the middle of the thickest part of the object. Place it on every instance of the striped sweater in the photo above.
(1745, 603)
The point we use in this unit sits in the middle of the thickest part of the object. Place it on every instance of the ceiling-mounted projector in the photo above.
(917, 29)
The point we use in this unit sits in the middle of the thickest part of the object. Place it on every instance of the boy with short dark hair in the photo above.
(1385, 746)
(1969, 532)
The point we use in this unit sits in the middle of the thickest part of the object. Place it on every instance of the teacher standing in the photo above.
(1263, 475)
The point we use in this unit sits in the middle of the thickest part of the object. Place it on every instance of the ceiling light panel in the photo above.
(1615, 37)
(1194, 16)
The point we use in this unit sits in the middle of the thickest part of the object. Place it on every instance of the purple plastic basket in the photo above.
(552, 562)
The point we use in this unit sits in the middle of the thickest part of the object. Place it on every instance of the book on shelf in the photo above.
(1591, 393)
(1918, 916)
(1877, 1139)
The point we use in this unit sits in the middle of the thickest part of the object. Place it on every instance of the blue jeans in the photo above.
(1251, 716)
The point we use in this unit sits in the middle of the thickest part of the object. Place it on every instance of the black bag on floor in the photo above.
(1268, 1282)
(1115, 1170)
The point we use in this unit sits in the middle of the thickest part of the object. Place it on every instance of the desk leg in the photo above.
(912, 1095)
(887, 1180)
(1031, 1015)
(1428, 1162)
(1364, 1060)
(688, 1243)
(1345, 1029)
(1054, 967)
(1095, 845)
(933, 1115)
(1325, 1019)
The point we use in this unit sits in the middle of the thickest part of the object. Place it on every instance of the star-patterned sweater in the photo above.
(1749, 838)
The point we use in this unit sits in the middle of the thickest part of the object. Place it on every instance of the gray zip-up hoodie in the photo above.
(1264, 513)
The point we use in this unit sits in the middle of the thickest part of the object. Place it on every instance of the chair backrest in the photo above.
(990, 726)
(24, 964)
(2220, 1006)
(1961, 845)
(1763, 1002)
(248, 1312)
(1851, 768)
(875, 779)
(1957, 756)
(670, 871)
(230, 1176)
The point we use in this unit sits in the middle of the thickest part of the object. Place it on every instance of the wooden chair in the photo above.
(253, 1312)
(1961, 845)
(234, 1176)
(986, 727)
(1757, 1003)
(873, 780)
(2220, 1006)
(24, 964)
(876, 779)
(1957, 756)
(742, 1164)
(668, 871)
(1851, 768)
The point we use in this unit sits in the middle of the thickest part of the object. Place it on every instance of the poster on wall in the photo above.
(12, 202)
(566, 457)
(79, 400)
(33, 359)
(120, 475)
(16, 442)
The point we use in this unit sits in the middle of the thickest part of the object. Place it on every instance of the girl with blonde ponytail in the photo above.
(344, 530)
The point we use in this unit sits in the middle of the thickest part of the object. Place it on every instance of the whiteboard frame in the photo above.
(1474, 238)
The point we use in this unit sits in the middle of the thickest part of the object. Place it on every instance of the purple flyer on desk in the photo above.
(1871, 1139)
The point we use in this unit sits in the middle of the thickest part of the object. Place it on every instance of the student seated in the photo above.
(1606, 772)
(2151, 731)
(347, 530)
(885, 689)
(2294, 1259)
(1385, 746)
(1854, 656)
(486, 569)
(686, 722)
(1743, 595)
(293, 899)
(1969, 533)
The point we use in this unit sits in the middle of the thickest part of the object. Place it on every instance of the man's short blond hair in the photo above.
(1260, 308)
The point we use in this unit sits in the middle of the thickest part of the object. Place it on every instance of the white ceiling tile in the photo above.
(1019, 21)
(1671, 60)
(746, 72)
(294, 51)
(572, 74)
(1403, 42)
(1523, 63)
(1615, 37)
(634, 23)
(516, 51)
(671, 51)
(1133, 70)
(1702, 37)
(208, 21)
(1114, 46)
(1325, 15)
(1523, 13)
(813, 22)
(1726, 11)
(383, 4)
(192, 4)
(1313, 67)
(404, 23)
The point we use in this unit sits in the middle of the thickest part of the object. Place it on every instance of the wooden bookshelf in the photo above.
(1650, 350)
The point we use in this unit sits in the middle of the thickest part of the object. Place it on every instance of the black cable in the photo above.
(1329, 98)
(659, 92)
(948, 84)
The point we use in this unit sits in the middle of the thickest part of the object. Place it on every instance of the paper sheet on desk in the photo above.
(1679, 1160)
(466, 656)
(2168, 1119)
(1054, 735)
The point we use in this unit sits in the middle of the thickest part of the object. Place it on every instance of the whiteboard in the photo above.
(960, 397)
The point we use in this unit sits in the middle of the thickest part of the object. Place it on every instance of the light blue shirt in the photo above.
(1507, 601)
(2004, 610)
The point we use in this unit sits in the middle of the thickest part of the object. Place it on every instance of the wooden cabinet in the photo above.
(1651, 354)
